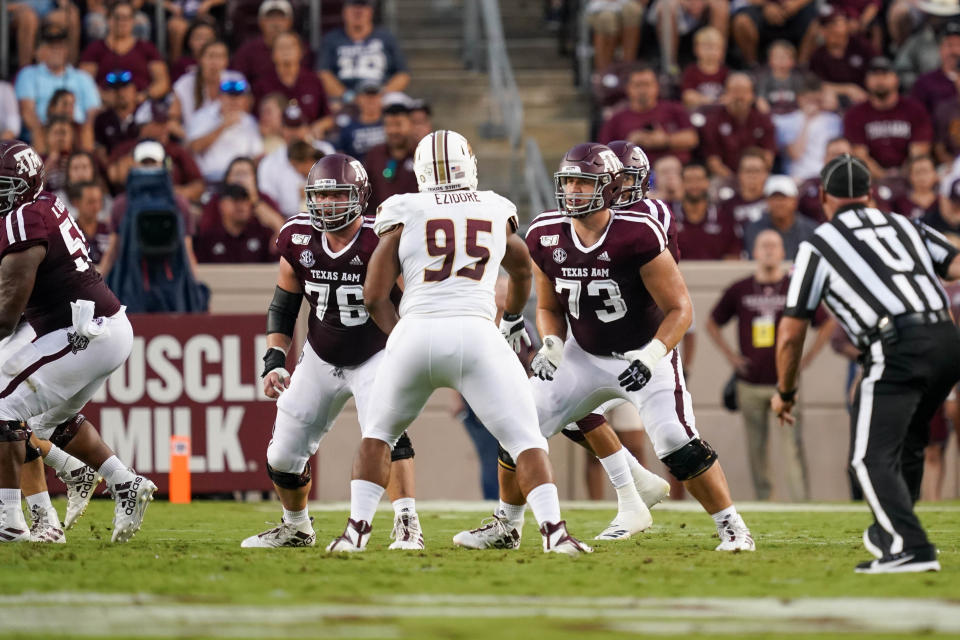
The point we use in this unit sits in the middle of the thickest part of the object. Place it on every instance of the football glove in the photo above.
(275, 360)
(548, 359)
(514, 330)
(642, 363)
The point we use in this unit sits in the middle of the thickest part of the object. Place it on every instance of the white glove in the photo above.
(83, 322)
(642, 363)
(548, 359)
(514, 330)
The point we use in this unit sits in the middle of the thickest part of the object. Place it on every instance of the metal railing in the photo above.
(506, 108)
(538, 182)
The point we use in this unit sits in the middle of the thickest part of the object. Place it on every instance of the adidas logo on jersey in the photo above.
(356, 262)
(604, 256)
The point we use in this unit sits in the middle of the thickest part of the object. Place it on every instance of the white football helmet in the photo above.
(444, 161)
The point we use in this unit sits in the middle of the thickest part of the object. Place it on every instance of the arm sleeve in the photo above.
(942, 251)
(807, 283)
(389, 214)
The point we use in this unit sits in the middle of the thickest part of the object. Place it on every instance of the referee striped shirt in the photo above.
(866, 264)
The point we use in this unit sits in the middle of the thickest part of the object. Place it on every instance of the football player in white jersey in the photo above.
(448, 242)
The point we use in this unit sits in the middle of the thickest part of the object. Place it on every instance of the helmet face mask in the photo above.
(577, 204)
(337, 174)
(588, 162)
(444, 161)
(21, 175)
(12, 190)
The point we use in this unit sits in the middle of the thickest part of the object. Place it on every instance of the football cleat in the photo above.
(132, 499)
(735, 536)
(493, 533)
(406, 532)
(626, 524)
(45, 525)
(13, 526)
(652, 488)
(354, 538)
(82, 482)
(556, 539)
(285, 534)
(910, 561)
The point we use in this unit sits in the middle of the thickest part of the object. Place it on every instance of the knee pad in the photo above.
(32, 453)
(14, 431)
(576, 436)
(403, 450)
(290, 480)
(505, 460)
(590, 422)
(66, 431)
(690, 460)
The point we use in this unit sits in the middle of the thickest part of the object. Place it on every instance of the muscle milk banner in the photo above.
(195, 375)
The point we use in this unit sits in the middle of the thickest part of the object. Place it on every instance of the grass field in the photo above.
(184, 575)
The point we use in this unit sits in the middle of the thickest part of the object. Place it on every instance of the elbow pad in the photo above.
(283, 311)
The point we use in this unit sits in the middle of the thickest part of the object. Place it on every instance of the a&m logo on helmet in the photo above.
(28, 162)
(358, 169)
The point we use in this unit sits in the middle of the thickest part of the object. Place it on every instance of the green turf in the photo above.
(191, 554)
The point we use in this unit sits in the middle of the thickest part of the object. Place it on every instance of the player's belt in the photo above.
(889, 326)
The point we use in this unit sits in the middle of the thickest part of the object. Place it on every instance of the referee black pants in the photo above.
(903, 384)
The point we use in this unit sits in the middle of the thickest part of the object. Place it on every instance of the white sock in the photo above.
(296, 517)
(545, 503)
(364, 497)
(57, 459)
(41, 499)
(729, 514)
(618, 469)
(404, 504)
(512, 512)
(10, 498)
(114, 471)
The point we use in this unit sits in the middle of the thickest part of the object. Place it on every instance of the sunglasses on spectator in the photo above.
(233, 87)
(119, 78)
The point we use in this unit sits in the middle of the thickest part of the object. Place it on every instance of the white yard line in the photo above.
(138, 615)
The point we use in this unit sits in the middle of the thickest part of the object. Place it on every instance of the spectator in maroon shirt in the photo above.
(116, 124)
(888, 128)
(238, 237)
(736, 127)
(940, 85)
(289, 78)
(658, 126)
(758, 23)
(809, 196)
(758, 302)
(254, 58)
(922, 197)
(201, 31)
(390, 165)
(703, 233)
(841, 61)
(744, 201)
(703, 80)
(243, 171)
(121, 50)
(779, 84)
(86, 202)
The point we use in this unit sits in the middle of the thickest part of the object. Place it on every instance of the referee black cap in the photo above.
(846, 177)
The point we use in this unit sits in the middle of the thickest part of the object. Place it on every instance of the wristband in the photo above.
(787, 396)
(274, 358)
(511, 317)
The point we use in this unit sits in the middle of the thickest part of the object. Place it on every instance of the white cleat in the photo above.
(132, 498)
(353, 539)
(735, 536)
(626, 524)
(556, 539)
(407, 533)
(81, 481)
(45, 526)
(284, 534)
(493, 533)
(652, 488)
(13, 526)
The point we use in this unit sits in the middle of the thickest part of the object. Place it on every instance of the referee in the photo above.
(878, 274)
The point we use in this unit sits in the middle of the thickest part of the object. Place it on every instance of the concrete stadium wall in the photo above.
(446, 462)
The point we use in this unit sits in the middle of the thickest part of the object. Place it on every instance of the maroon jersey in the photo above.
(707, 84)
(743, 211)
(606, 303)
(65, 274)
(888, 134)
(851, 68)
(758, 308)
(713, 238)
(307, 91)
(670, 116)
(725, 137)
(340, 329)
(933, 88)
(659, 210)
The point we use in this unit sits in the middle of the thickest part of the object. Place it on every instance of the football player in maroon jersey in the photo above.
(324, 256)
(607, 273)
(83, 335)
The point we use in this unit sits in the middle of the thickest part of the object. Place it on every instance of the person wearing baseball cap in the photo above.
(781, 216)
(879, 275)
(254, 58)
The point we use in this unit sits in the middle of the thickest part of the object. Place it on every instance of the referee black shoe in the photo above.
(911, 561)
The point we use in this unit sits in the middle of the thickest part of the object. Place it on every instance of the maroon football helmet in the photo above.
(635, 164)
(21, 175)
(588, 161)
(336, 172)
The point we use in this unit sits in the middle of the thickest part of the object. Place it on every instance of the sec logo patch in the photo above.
(559, 256)
(307, 259)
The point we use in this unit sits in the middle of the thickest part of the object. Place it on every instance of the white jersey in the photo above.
(451, 247)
